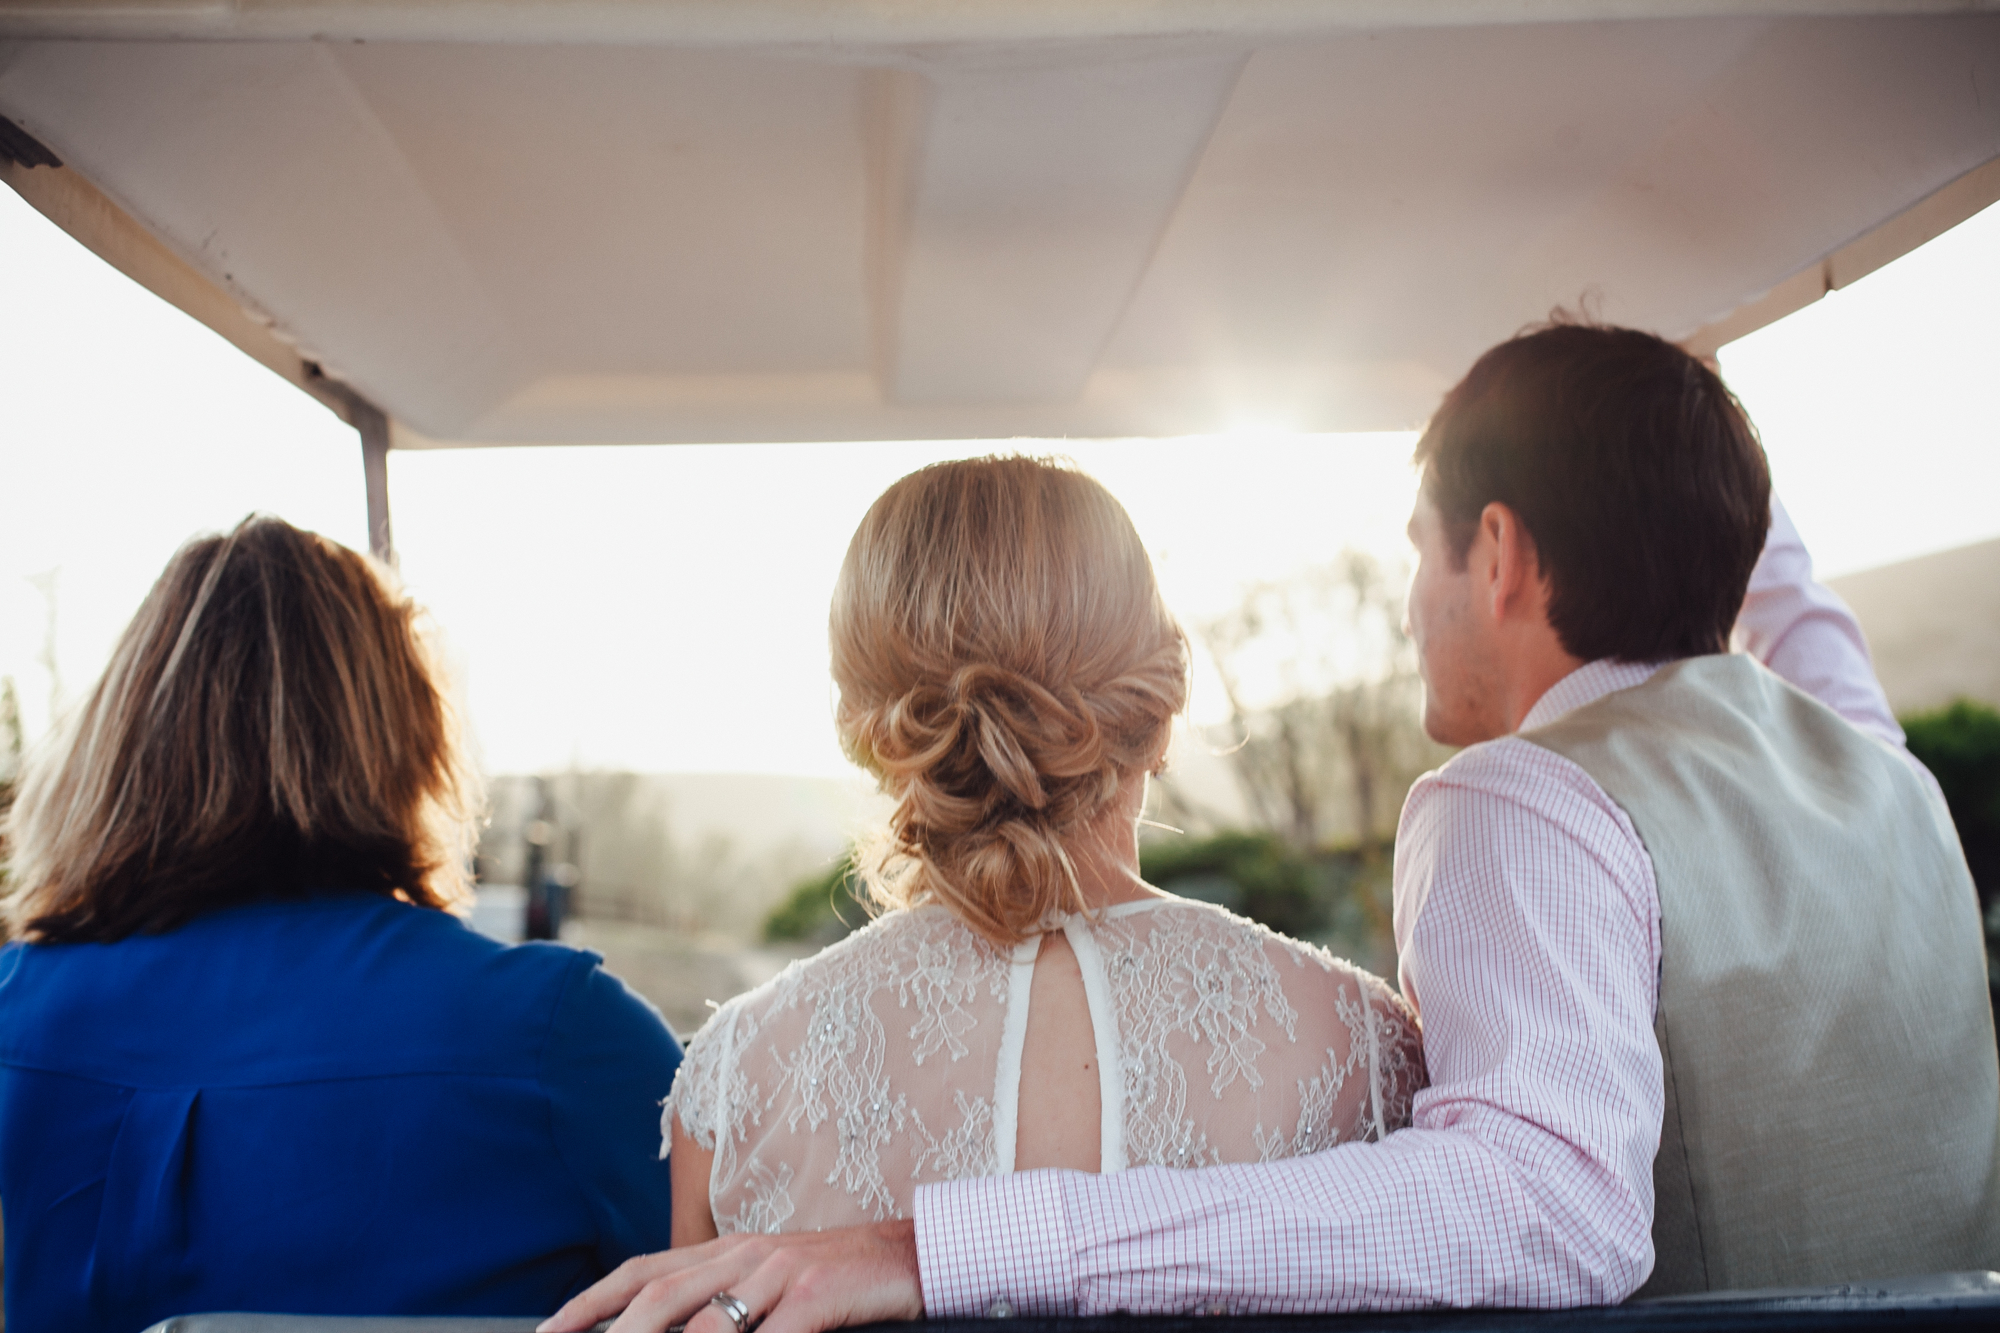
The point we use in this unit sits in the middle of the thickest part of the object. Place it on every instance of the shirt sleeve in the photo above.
(1801, 629)
(1528, 919)
(607, 1064)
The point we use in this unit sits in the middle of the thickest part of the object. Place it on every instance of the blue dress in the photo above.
(344, 1105)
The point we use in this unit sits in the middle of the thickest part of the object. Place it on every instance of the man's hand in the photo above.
(803, 1282)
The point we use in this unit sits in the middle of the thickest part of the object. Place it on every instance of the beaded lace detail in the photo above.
(831, 1092)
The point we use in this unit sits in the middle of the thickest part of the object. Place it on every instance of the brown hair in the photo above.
(1632, 467)
(270, 725)
(1004, 662)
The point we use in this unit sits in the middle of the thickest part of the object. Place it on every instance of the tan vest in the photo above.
(1832, 1094)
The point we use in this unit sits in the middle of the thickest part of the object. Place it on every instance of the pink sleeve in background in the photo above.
(1803, 631)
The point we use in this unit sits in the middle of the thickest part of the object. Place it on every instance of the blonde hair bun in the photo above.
(1004, 663)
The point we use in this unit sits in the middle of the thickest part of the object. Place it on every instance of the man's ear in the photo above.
(1515, 585)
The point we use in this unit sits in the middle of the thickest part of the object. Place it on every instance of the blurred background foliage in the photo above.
(1338, 897)
(1960, 745)
(1339, 894)
(1324, 733)
(820, 909)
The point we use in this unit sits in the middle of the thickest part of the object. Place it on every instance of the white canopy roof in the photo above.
(711, 220)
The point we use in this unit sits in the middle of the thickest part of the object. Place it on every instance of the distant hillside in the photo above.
(1933, 625)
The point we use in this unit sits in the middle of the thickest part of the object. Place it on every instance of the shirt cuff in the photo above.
(996, 1246)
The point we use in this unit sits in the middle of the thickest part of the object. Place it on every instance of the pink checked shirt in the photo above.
(1529, 928)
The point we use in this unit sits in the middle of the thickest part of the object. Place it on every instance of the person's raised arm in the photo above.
(1801, 629)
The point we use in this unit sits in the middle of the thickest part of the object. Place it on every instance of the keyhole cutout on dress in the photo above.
(1061, 1103)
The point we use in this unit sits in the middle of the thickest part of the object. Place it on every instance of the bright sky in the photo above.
(664, 609)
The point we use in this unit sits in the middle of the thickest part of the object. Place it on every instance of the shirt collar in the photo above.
(1586, 685)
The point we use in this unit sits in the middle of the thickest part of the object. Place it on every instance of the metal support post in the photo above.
(374, 428)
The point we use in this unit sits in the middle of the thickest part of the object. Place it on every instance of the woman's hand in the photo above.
(801, 1282)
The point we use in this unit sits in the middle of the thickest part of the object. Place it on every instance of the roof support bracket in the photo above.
(374, 429)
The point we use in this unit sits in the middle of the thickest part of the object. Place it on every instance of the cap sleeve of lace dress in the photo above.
(698, 1094)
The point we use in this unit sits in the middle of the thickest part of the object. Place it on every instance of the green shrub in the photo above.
(1253, 874)
(820, 910)
(1335, 896)
(1960, 745)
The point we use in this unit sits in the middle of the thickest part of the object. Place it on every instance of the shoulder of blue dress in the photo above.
(448, 928)
(535, 975)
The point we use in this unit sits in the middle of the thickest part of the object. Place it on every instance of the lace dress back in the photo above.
(894, 1058)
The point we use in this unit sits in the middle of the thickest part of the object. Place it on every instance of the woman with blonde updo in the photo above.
(1008, 671)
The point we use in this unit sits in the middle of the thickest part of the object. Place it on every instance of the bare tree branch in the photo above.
(1324, 700)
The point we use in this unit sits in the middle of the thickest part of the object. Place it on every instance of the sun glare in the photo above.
(664, 608)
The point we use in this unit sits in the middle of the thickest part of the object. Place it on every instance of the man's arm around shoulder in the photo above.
(1528, 924)
(1529, 936)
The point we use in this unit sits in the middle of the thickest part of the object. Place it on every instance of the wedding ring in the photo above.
(738, 1312)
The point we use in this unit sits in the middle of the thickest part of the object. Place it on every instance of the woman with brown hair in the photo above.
(1008, 671)
(249, 1059)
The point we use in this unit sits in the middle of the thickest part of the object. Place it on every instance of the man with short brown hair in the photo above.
(1816, 935)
